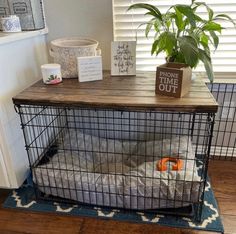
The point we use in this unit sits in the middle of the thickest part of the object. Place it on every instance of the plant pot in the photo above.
(173, 79)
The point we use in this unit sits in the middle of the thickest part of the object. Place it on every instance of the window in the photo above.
(126, 28)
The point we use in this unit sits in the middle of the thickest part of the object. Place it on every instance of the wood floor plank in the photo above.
(95, 226)
(229, 223)
(223, 175)
(37, 223)
(227, 206)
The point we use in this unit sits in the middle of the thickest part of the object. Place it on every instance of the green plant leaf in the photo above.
(148, 28)
(209, 10)
(179, 19)
(157, 25)
(152, 14)
(206, 48)
(199, 19)
(188, 12)
(225, 17)
(204, 38)
(154, 11)
(179, 58)
(154, 46)
(194, 35)
(215, 39)
(212, 26)
(189, 49)
(158, 51)
(168, 23)
(170, 15)
(167, 42)
(207, 64)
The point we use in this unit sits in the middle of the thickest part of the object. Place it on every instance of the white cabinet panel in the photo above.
(4, 182)
(20, 63)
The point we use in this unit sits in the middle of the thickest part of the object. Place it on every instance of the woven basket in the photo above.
(66, 50)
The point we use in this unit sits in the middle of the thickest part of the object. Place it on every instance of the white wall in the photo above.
(19, 67)
(85, 18)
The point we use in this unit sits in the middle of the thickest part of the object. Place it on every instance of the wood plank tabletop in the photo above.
(117, 92)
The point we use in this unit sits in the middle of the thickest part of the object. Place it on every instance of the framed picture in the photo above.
(89, 68)
(123, 58)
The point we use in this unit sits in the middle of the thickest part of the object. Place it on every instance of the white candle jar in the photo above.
(51, 73)
(10, 24)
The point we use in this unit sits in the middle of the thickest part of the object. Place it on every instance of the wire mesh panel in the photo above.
(141, 160)
(224, 141)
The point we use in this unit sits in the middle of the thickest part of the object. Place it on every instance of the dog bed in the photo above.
(122, 174)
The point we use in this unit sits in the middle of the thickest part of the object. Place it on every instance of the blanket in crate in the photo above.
(119, 173)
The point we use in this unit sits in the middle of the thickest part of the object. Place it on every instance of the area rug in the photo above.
(23, 198)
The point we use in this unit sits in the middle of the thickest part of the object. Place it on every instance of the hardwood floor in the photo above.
(223, 176)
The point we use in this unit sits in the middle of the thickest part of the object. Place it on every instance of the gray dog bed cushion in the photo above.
(115, 173)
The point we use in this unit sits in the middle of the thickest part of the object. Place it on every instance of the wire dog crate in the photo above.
(133, 158)
(224, 140)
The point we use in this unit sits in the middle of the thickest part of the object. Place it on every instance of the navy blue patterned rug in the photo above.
(23, 198)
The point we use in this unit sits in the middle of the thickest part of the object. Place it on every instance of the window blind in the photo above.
(126, 28)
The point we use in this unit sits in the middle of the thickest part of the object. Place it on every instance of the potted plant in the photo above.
(183, 35)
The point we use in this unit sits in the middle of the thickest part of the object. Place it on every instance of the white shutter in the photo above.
(126, 28)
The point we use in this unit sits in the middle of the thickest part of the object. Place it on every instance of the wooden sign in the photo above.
(123, 58)
(89, 68)
(173, 79)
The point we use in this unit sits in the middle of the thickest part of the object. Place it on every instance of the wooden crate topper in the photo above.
(133, 93)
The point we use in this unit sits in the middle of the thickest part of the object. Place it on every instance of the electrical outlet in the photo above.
(228, 110)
